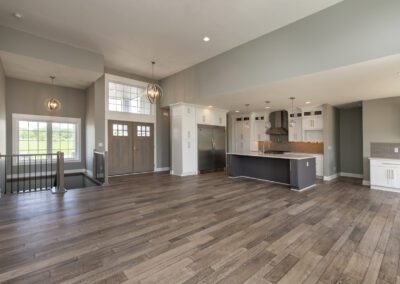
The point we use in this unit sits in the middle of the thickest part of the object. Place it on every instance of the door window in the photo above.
(120, 130)
(143, 131)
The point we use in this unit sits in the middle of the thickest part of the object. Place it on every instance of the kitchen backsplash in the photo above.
(385, 150)
(299, 147)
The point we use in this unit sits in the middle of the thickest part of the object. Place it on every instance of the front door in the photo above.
(143, 147)
(130, 147)
(120, 147)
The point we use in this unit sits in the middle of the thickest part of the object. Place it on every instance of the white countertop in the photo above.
(384, 159)
(288, 156)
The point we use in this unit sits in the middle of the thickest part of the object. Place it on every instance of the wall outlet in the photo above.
(100, 144)
(396, 149)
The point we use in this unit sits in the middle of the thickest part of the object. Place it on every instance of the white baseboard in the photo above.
(385, 188)
(183, 174)
(162, 169)
(351, 175)
(331, 177)
(366, 182)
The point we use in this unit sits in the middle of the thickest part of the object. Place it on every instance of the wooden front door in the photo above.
(120, 147)
(143, 147)
(130, 147)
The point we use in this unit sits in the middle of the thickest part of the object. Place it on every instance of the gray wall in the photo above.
(26, 97)
(331, 140)
(381, 124)
(15, 41)
(350, 32)
(2, 123)
(351, 141)
(100, 113)
(163, 137)
(2, 110)
(90, 127)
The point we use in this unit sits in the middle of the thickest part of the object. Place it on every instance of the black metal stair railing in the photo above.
(27, 173)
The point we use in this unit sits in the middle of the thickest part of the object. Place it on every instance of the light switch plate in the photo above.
(396, 149)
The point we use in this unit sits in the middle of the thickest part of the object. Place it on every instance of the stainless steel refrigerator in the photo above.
(211, 148)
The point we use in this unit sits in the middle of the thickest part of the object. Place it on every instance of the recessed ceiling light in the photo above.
(17, 15)
(210, 106)
(307, 103)
(206, 39)
(237, 111)
(267, 107)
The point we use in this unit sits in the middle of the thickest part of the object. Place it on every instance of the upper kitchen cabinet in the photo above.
(210, 116)
(313, 124)
(296, 130)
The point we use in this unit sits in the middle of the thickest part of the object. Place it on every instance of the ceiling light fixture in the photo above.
(53, 104)
(206, 39)
(237, 111)
(267, 107)
(153, 90)
(307, 103)
(17, 15)
(210, 106)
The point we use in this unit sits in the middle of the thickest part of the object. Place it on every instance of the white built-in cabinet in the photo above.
(248, 129)
(385, 174)
(296, 131)
(210, 116)
(184, 120)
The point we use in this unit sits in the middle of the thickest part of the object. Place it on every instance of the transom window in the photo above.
(44, 135)
(143, 131)
(120, 130)
(126, 98)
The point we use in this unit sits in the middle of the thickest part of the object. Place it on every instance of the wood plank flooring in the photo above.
(157, 228)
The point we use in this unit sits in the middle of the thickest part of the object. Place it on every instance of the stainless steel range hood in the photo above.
(279, 123)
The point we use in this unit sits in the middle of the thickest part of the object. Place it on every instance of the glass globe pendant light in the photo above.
(153, 90)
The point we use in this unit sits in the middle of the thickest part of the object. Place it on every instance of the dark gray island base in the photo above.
(296, 171)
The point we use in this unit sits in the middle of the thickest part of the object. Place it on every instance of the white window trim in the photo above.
(16, 117)
(120, 82)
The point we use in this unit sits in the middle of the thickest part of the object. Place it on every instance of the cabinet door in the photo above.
(308, 123)
(396, 178)
(238, 139)
(380, 176)
(318, 123)
(219, 118)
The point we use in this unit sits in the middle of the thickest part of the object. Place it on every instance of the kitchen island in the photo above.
(295, 170)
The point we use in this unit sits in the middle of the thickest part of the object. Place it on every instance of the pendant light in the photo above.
(53, 104)
(153, 90)
(292, 120)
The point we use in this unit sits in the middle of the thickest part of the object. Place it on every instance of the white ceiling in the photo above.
(131, 33)
(368, 80)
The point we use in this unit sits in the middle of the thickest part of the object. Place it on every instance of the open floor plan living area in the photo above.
(232, 141)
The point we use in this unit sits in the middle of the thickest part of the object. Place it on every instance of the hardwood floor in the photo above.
(157, 228)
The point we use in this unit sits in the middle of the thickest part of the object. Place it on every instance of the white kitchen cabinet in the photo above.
(184, 126)
(313, 123)
(242, 134)
(385, 174)
(210, 116)
(205, 116)
(219, 118)
(296, 132)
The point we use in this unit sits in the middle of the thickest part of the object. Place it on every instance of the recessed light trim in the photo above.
(267, 107)
(17, 15)
(307, 103)
(210, 106)
(206, 39)
(237, 111)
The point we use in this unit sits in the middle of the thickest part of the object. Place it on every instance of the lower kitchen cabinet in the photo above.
(385, 174)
